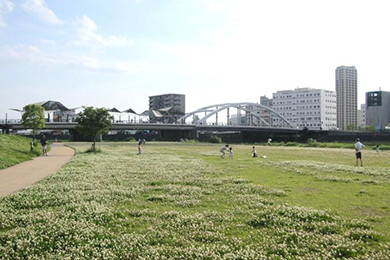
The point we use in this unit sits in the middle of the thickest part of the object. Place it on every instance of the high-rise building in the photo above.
(306, 107)
(346, 91)
(378, 108)
(166, 108)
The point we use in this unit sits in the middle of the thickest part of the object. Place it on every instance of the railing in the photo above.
(10, 121)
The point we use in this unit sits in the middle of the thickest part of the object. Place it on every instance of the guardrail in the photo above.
(10, 121)
(19, 121)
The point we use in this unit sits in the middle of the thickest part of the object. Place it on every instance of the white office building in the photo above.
(361, 116)
(306, 107)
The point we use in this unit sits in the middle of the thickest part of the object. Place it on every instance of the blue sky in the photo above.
(117, 53)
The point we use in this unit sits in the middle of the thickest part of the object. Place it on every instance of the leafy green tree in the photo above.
(93, 122)
(370, 128)
(33, 118)
(351, 127)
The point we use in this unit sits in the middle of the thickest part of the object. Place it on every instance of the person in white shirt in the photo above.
(358, 147)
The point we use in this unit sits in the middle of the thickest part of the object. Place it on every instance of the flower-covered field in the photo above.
(182, 201)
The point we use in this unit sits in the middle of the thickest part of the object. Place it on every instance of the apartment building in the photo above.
(166, 108)
(305, 107)
(346, 91)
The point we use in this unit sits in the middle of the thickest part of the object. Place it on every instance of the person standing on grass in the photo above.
(377, 149)
(231, 153)
(43, 143)
(140, 146)
(32, 146)
(358, 147)
(222, 150)
(254, 152)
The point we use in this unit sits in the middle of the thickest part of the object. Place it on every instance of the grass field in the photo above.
(180, 200)
(15, 149)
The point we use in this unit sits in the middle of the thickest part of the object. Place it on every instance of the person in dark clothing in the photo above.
(44, 143)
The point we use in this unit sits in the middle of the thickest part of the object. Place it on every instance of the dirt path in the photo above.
(27, 173)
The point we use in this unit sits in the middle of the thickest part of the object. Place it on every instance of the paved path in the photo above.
(27, 173)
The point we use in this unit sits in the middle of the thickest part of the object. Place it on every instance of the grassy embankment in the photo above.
(15, 149)
(184, 201)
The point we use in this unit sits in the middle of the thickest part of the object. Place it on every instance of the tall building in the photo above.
(346, 91)
(306, 107)
(166, 108)
(378, 109)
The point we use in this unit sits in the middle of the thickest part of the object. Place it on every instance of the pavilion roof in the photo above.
(52, 105)
(129, 111)
(114, 110)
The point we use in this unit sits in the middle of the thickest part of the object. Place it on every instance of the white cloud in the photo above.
(5, 7)
(40, 9)
(87, 36)
(33, 55)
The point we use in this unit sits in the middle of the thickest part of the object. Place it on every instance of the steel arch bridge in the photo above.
(248, 107)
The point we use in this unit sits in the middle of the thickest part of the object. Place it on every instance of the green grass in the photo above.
(15, 149)
(182, 201)
(324, 179)
(314, 143)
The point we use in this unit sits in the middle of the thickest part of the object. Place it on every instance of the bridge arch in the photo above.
(248, 107)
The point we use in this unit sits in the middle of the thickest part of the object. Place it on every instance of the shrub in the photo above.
(215, 139)
(131, 139)
(312, 142)
(93, 150)
(291, 144)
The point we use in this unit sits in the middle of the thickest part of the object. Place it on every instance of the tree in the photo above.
(351, 127)
(93, 122)
(370, 128)
(33, 118)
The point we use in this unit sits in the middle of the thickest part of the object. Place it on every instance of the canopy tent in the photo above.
(164, 109)
(156, 113)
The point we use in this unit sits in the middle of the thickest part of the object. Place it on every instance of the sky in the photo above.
(117, 53)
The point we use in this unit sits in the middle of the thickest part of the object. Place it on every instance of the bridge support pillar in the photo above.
(176, 135)
(5, 130)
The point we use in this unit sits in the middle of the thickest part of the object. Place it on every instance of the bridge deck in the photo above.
(153, 126)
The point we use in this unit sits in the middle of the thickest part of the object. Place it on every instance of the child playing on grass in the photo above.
(254, 152)
(231, 153)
